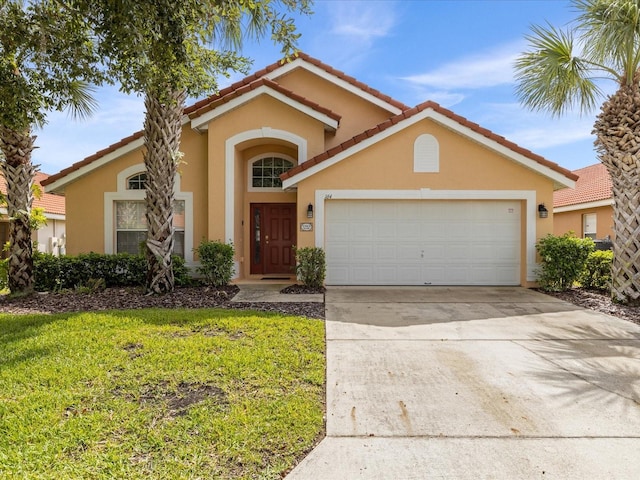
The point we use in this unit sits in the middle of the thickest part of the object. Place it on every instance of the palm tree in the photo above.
(560, 71)
(162, 129)
(163, 50)
(44, 55)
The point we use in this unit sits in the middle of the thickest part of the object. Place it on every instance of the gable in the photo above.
(463, 164)
(447, 119)
(357, 113)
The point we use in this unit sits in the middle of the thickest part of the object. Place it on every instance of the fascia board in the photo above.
(49, 216)
(201, 122)
(557, 177)
(582, 206)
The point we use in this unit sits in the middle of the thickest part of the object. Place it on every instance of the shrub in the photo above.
(83, 271)
(181, 273)
(563, 260)
(4, 273)
(597, 270)
(216, 262)
(311, 266)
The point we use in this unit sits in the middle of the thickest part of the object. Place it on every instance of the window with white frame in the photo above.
(589, 225)
(131, 226)
(137, 182)
(125, 225)
(266, 171)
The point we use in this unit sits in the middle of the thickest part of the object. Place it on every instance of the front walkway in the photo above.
(269, 292)
(473, 383)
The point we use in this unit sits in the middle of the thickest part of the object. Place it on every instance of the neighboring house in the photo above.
(50, 237)
(300, 154)
(587, 209)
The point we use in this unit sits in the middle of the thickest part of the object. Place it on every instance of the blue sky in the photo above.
(458, 53)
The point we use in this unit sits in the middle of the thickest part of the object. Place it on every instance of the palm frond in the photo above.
(81, 102)
(610, 32)
(551, 78)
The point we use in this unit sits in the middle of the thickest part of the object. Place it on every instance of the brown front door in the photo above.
(273, 235)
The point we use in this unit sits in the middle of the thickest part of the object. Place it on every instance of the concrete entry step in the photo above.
(269, 292)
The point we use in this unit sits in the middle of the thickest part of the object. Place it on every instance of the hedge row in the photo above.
(119, 270)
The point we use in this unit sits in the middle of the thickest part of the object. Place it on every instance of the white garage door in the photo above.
(422, 242)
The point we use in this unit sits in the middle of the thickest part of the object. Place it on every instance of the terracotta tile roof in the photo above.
(410, 113)
(309, 59)
(235, 91)
(52, 203)
(594, 184)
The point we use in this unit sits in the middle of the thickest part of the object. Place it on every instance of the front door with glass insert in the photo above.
(273, 235)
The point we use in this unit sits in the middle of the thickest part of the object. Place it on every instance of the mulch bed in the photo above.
(598, 301)
(134, 298)
(209, 297)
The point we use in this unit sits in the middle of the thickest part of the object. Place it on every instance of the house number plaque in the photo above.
(306, 227)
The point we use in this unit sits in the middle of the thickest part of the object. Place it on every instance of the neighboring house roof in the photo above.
(432, 110)
(51, 203)
(593, 186)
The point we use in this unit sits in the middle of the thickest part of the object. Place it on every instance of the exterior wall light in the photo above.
(310, 211)
(542, 211)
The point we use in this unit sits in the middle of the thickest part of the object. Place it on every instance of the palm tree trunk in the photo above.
(618, 145)
(19, 173)
(162, 129)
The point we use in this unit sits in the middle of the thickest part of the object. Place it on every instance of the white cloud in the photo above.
(487, 69)
(362, 22)
(536, 130)
(346, 32)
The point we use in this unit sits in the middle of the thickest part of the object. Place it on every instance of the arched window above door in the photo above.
(265, 172)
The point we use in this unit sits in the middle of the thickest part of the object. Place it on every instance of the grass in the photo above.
(158, 394)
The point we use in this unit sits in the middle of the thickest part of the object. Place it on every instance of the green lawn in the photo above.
(212, 394)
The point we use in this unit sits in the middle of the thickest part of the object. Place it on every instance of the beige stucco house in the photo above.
(587, 209)
(51, 237)
(302, 154)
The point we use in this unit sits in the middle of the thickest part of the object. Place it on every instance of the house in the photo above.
(586, 210)
(50, 237)
(301, 154)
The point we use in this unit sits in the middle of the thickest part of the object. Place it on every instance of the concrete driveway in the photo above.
(472, 383)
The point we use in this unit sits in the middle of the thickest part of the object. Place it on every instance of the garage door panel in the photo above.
(385, 232)
(340, 231)
(361, 253)
(338, 253)
(360, 274)
(423, 242)
(409, 275)
(386, 253)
